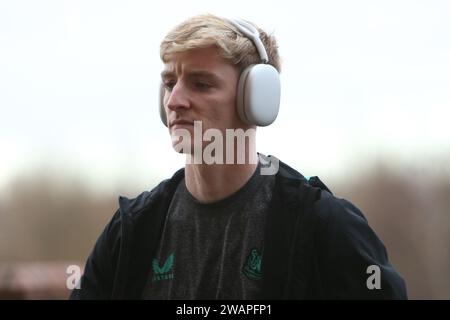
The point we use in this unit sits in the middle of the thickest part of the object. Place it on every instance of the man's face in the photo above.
(200, 86)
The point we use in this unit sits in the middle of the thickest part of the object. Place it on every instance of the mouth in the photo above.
(181, 123)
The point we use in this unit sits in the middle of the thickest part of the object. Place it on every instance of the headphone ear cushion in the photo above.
(162, 111)
(258, 95)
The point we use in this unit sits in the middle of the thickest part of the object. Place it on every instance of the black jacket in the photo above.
(316, 246)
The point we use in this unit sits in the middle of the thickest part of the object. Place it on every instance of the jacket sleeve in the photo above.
(98, 276)
(352, 260)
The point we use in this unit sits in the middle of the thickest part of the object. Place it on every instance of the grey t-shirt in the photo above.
(215, 250)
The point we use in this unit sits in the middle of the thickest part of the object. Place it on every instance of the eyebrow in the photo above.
(192, 74)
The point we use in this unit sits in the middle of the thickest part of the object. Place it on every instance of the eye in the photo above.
(169, 85)
(202, 85)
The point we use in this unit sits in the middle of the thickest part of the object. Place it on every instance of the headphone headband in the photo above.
(252, 33)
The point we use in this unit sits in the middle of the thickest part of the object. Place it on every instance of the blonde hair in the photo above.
(208, 30)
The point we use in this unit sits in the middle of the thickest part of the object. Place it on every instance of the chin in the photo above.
(178, 147)
(180, 151)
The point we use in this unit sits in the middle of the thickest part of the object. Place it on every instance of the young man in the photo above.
(223, 228)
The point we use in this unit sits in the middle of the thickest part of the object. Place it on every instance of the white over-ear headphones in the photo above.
(258, 92)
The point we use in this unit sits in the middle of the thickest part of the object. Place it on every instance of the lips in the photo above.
(181, 122)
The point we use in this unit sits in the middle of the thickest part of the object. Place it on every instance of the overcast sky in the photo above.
(361, 81)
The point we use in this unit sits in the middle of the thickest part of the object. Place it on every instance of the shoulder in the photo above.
(339, 212)
(343, 228)
(347, 247)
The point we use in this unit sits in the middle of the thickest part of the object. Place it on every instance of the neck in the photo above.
(213, 182)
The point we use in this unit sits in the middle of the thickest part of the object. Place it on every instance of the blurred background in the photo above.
(365, 106)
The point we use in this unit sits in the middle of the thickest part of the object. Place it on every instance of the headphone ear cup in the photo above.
(162, 111)
(240, 103)
(258, 95)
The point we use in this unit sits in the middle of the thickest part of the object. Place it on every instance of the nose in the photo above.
(177, 98)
